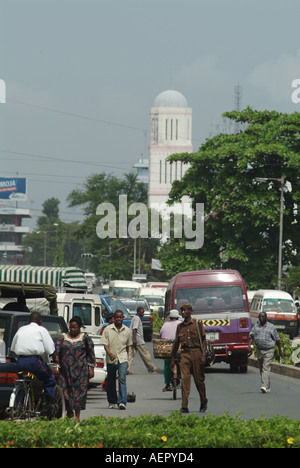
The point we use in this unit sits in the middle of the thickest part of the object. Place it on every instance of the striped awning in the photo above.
(69, 277)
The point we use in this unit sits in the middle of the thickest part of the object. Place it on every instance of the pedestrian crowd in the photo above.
(74, 353)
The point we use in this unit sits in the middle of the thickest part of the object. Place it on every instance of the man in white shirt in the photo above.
(31, 343)
(138, 342)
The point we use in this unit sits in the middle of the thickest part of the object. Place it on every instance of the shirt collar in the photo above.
(191, 320)
(115, 328)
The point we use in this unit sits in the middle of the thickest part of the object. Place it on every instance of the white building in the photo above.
(170, 132)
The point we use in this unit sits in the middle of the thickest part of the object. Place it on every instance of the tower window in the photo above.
(160, 170)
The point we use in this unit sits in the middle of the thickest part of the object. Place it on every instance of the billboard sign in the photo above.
(13, 188)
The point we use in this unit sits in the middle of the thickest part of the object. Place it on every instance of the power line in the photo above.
(78, 116)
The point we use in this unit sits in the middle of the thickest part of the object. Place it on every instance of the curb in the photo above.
(283, 369)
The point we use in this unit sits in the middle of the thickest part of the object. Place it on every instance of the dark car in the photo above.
(10, 322)
(147, 321)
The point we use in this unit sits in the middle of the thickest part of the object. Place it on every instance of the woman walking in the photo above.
(76, 357)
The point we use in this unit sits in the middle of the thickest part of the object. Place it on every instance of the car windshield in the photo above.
(115, 304)
(132, 305)
(211, 299)
(55, 329)
(124, 292)
(278, 305)
(155, 300)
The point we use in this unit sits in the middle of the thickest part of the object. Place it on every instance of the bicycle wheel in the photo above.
(58, 404)
(20, 404)
(174, 381)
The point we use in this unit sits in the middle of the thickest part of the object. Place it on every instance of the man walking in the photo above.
(265, 335)
(190, 335)
(138, 342)
(116, 339)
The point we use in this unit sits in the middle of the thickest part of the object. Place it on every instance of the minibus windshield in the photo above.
(211, 299)
(278, 305)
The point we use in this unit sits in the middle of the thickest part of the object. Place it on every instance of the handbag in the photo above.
(210, 353)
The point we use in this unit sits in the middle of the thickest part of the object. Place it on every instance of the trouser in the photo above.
(41, 370)
(190, 363)
(145, 355)
(264, 358)
(112, 369)
(167, 371)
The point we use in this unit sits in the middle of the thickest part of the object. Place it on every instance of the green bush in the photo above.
(174, 431)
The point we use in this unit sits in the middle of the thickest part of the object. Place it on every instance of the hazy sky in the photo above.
(81, 76)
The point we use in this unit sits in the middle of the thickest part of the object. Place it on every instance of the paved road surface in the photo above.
(226, 392)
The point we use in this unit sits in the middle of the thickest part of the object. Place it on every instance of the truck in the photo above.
(63, 279)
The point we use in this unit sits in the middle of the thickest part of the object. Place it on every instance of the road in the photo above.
(235, 394)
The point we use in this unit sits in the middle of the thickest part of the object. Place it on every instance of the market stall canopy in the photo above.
(62, 278)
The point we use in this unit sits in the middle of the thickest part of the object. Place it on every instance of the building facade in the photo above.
(11, 233)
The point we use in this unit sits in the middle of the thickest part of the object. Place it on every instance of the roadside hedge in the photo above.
(147, 431)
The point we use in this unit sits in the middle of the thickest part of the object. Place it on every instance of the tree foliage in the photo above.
(241, 213)
(114, 257)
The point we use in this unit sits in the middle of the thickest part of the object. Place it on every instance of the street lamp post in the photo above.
(281, 180)
(45, 241)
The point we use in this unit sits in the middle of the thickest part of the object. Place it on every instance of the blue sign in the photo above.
(13, 188)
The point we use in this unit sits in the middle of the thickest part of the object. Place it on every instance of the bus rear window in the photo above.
(211, 299)
(84, 311)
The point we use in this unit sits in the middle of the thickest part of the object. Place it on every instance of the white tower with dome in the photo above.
(170, 132)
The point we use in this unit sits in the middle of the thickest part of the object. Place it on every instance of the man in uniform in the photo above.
(190, 335)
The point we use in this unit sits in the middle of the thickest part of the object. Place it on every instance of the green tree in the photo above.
(50, 211)
(113, 257)
(241, 213)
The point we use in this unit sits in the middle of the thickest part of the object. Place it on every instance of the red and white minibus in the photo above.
(219, 299)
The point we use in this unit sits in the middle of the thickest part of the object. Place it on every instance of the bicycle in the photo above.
(176, 380)
(23, 404)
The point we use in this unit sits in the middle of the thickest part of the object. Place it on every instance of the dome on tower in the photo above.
(170, 98)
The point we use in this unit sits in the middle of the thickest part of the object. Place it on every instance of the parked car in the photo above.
(10, 322)
(147, 321)
(100, 370)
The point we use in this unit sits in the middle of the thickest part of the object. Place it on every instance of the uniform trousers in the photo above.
(190, 364)
(41, 370)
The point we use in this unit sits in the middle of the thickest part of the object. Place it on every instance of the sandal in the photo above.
(167, 388)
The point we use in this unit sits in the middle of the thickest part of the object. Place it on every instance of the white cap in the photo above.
(174, 314)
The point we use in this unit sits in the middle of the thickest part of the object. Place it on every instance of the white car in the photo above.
(100, 367)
